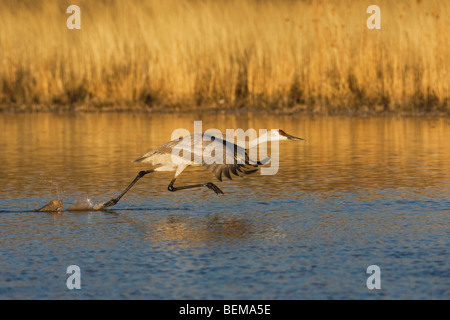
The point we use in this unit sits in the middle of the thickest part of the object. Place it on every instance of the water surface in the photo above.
(359, 192)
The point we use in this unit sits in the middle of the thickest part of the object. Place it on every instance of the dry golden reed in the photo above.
(312, 55)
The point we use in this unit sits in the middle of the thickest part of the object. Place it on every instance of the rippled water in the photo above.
(359, 192)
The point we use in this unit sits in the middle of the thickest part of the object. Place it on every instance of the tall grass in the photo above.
(314, 55)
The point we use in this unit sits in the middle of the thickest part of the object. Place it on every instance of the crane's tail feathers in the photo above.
(223, 170)
(146, 157)
(259, 163)
(141, 159)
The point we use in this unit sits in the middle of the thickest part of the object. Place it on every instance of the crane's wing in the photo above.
(222, 157)
(225, 158)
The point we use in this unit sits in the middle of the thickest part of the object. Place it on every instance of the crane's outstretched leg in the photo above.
(209, 185)
(113, 201)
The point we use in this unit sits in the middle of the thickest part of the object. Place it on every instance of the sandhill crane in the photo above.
(165, 159)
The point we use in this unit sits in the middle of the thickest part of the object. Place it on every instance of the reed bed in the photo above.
(180, 55)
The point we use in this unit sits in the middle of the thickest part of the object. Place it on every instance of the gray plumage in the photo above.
(200, 150)
(232, 159)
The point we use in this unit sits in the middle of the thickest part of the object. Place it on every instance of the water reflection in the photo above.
(359, 191)
(48, 155)
(188, 231)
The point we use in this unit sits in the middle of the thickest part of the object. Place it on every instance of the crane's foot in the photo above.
(213, 187)
(110, 203)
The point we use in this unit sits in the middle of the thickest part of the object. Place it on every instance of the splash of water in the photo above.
(57, 189)
(83, 205)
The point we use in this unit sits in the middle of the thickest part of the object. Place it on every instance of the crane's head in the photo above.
(277, 134)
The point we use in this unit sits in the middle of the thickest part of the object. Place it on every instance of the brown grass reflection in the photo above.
(91, 154)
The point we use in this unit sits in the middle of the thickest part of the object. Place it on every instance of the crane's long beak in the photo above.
(294, 138)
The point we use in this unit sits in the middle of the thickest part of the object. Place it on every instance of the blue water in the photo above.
(309, 232)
